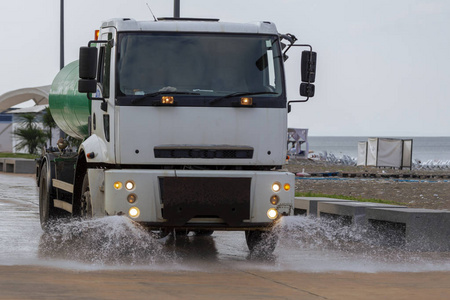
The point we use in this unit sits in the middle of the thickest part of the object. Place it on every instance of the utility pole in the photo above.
(176, 9)
(61, 51)
(61, 37)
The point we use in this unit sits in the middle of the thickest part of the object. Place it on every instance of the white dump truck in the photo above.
(184, 127)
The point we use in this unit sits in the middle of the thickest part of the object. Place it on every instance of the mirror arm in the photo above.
(296, 45)
(103, 105)
(295, 101)
(303, 45)
(291, 39)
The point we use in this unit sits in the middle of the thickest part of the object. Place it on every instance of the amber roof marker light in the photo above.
(246, 101)
(167, 100)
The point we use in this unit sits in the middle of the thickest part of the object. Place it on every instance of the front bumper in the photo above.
(224, 200)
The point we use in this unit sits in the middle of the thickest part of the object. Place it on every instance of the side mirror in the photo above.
(87, 86)
(87, 70)
(308, 67)
(307, 89)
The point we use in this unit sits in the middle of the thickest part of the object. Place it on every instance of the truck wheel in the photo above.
(47, 211)
(86, 202)
(261, 242)
(203, 232)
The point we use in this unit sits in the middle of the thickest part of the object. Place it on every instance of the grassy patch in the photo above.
(359, 199)
(17, 155)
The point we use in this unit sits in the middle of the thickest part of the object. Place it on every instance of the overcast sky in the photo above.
(383, 66)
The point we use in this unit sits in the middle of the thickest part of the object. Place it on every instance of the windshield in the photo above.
(206, 65)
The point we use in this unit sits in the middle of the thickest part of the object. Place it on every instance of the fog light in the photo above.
(134, 212)
(272, 213)
(129, 185)
(131, 198)
(287, 186)
(274, 200)
(117, 185)
(276, 187)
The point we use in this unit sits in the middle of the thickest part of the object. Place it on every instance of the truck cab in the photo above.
(184, 127)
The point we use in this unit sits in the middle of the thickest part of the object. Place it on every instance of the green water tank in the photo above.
(69, 108)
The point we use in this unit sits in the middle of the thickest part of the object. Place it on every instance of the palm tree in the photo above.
(30, 135)
(48, 122)
(73, 142)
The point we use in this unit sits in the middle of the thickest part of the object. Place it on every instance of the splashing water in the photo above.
(304, 244)
(111, 240)
(320, 244)
(330, 234)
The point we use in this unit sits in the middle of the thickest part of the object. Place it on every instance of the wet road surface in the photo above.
(312, 259)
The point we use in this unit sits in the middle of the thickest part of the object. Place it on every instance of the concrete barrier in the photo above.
(423, 229)
(412, 228)
(9, 165)
(308, 205)
(349, 212)
(18, 165)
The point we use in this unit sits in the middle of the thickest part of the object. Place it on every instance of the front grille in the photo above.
(184, 198)
(225, 153)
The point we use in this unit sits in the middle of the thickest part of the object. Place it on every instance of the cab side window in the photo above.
(104, 67)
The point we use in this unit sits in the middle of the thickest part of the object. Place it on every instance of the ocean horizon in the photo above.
(424, 148)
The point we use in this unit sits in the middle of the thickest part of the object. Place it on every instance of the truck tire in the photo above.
(86, 201)
(261, 242)
(47, 212)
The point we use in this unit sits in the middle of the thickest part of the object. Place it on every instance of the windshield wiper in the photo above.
(237, 94)
(151, 95)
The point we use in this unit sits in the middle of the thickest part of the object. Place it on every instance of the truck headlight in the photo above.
(276, 187)
(129, 185)
(134, 212)
(272, 213)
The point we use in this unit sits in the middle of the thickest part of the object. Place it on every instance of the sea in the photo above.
(424, 148)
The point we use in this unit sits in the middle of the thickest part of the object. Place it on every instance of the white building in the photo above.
(9, 118)
(39, 110)
(6, 132)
